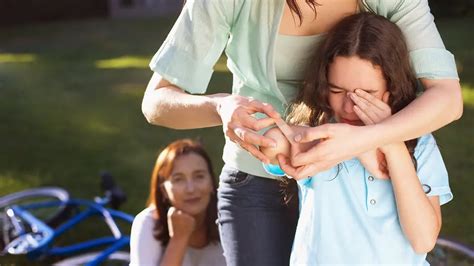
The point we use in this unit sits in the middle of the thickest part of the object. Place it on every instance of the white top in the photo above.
(146, 250)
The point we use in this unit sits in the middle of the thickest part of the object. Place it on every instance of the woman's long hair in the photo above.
(162, 171)
(369, 37)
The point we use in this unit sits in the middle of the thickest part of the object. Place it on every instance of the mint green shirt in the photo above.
(247, 31)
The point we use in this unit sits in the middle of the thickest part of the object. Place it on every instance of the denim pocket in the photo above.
(234, 177)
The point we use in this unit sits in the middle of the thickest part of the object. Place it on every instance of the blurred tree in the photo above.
(451, 8)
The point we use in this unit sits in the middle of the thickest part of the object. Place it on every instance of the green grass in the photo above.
(70, 96)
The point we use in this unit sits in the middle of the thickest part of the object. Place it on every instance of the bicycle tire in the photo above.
(81, 259)
(54, 193)
(451, 252)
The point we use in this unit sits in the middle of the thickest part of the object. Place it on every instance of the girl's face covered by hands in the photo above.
(189, 186)
(345, 75)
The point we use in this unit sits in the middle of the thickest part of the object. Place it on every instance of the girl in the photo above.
(178, 227)
(348, 216)
(268, 44)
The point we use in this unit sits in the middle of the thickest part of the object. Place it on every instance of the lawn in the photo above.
(70, 96)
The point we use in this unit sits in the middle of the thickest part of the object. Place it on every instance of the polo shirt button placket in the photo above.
(371, 178)
(373, 202)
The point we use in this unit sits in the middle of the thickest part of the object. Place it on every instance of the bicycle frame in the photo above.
(43, 248)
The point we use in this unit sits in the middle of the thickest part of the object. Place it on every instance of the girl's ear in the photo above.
(385, 97)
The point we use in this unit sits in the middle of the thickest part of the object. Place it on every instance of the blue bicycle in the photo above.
(33, 219)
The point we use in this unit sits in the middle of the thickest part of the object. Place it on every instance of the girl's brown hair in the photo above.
(162, 171)
(372, 38)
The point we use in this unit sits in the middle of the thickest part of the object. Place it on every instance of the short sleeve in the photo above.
(144, 248)
(428, 55)
(187, 56)
(431, 169)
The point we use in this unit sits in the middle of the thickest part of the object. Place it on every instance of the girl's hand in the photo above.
(371, 111)
(369, 108)
(180, 225)
(240, 125)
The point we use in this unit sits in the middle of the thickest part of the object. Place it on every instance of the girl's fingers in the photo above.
(363, 116)
(376, 110)
(367, 107)
(371, 98)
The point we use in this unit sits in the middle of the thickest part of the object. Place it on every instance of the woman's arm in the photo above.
(167, 105)
(420, 215)
(439, 105)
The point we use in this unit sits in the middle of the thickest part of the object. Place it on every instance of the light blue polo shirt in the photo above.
(349, 217)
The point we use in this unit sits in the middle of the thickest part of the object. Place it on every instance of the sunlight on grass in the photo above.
(100, 127)
(13, 182)
(17, 58)
(134, 90)
(123, 62)
(221, 66)
(468, 94)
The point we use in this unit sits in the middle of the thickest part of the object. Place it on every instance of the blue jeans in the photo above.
(256, 226)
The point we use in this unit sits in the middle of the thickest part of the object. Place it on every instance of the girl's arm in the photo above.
(420, 215)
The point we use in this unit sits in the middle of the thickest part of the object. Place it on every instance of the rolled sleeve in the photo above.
(428, 55)
(194, 44)
(434, 63)
(431, 169)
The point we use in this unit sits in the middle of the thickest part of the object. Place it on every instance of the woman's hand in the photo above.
(241, 127)
(180, 225)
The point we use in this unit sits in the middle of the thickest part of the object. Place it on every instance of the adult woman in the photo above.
(268, 48)
(178, 226)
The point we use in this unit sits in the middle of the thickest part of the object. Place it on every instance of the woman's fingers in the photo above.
(248, 140)
(285, 165)
(256, 106)
(310, 134)
(250, 137)
(251, 122)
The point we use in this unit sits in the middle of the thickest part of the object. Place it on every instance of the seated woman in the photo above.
(178, 226)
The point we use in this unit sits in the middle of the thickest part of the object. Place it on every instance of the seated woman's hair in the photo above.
(162, 171)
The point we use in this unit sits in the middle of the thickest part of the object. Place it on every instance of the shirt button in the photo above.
(371, 178)
(372, 201)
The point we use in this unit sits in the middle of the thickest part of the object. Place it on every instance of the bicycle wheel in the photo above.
(450, 252)
(116, 258)
(30, 196)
